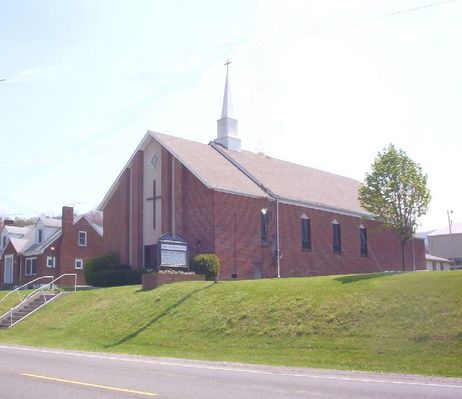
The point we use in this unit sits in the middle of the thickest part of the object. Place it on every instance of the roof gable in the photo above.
(203, 161)
(291, 182)
(209, 166)
(94, 226)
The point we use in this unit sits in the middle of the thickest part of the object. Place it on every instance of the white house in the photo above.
(436, 263)
(447, 244)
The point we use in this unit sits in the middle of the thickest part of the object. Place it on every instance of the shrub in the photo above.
(208, 264)
(106, 271)
(113, 278)
(98, 264)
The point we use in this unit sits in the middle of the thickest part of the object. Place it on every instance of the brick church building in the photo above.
(263, 217)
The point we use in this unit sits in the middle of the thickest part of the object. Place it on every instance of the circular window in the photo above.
(155, 160)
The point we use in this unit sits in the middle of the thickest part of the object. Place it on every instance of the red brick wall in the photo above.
(384, 251)
(229, 225)
(136, 227)
(238, 241)
(196, 222)
(70, 250)
(116, 219)
(237, 236)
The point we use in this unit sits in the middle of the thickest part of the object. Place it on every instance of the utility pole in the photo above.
(451, 242)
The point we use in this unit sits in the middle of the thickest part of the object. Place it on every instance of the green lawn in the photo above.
(11, 300)
(409, 323)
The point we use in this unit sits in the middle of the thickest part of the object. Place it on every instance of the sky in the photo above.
(323, 83)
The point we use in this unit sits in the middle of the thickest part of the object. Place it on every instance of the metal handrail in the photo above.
(23, 286)
(64, 275)
(48, 286)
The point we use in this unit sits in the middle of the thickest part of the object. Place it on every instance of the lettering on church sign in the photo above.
(173, 258)
(173, 252)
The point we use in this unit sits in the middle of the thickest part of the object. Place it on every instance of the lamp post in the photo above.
(451, 243)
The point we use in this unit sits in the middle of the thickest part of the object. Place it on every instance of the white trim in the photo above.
(50, 241)
(36, 265)
(53, 265)
(85, 241)
(78, 260)
(8, 257)
(93, 225)
(226, 191)
(327, 208)
(173, 199)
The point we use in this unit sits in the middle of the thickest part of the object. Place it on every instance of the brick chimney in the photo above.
(68, 219)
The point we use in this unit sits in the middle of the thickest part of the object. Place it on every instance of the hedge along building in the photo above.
(262, 216)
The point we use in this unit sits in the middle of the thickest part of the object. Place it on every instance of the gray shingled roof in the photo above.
(301, 183)
(289, 181)
(209, 166)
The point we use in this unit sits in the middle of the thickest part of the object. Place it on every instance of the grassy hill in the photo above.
(12, 300)
(384, 322)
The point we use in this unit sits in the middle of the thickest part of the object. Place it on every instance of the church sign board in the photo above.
(173, 252)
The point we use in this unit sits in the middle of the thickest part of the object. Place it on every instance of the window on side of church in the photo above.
(264, 225)
(305, 226)
(336, 237)
(363, 241)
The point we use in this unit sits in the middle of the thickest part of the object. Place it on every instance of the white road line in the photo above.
(237, 370)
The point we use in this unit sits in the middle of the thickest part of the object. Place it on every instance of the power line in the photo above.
(406, 10)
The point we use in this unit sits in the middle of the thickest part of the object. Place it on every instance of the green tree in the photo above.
(396, 191)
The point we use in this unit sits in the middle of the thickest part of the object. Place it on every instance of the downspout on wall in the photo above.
(275, 197)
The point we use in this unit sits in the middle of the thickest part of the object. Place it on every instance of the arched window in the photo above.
(264, 217)
(336, 237)
(362, 240)
(305, 228)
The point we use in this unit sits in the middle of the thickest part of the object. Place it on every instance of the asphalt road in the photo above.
(48, 374)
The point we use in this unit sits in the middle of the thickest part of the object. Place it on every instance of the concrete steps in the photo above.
(25, 309)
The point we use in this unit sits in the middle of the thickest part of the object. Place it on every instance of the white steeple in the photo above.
(227, 109)
(227, 125)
